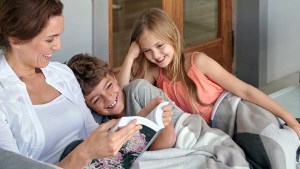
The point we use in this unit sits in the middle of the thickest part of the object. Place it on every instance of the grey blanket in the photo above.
(266, 142)
(198, 147)
(255, 138)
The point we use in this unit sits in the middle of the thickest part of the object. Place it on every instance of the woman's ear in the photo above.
(14, 42)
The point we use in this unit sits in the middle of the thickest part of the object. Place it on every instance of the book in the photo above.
(136, 145)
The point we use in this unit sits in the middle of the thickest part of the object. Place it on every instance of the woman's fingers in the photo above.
(108, 125)
(127, 131)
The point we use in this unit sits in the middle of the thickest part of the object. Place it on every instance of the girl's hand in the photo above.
(124, 74)
(134, 51)
(296, 128)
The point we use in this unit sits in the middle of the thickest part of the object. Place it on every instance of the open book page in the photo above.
(140, 120)
(136, 145)
(153, 120)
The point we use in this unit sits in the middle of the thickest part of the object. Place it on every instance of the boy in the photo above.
(103, 94)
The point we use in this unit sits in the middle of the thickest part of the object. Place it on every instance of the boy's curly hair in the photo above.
(89, 71)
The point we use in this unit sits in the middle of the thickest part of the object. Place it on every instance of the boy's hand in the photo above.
(150, 106)
(167, 114)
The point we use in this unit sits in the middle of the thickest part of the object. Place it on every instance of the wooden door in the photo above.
(206, 25)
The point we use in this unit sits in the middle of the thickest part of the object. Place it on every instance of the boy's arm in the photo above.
(150, 106)
(123, 76)
(166, 138)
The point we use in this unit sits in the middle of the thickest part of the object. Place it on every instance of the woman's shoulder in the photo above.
(59, 72)
(59, 66)
(60, 69)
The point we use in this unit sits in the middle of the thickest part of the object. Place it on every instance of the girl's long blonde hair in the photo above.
(158, 22)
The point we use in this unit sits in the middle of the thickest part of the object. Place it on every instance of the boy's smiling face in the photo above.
(107, 98)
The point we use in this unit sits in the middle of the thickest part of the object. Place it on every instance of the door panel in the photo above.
(124, 13)
(200, 21)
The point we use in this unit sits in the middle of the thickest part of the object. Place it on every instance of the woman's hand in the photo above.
(100, 143)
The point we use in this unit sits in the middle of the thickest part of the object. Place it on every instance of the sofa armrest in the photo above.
(11, 160)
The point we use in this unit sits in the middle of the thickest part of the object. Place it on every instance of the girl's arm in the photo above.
(123, 77)
(229, 82)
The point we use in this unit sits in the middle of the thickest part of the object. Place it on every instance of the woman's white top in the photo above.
(68, 126)
(25, 132)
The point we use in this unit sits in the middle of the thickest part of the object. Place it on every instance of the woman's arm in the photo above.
(229, 82)
(100, 144)
(7, 141)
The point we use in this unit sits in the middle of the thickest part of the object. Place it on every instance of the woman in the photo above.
(42, 108)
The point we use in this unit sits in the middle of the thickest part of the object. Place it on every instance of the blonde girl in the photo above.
(193, 81)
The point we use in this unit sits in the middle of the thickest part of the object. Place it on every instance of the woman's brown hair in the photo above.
(25, 19)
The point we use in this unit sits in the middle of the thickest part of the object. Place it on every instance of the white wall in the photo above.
(100, 29)
(267, 40)
(86, 29)
(77, 35)
(283, 38)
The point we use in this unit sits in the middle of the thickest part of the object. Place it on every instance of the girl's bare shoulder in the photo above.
(198, 59)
